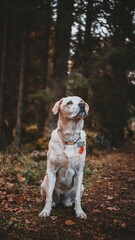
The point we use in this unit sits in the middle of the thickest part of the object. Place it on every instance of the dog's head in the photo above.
(71, 107)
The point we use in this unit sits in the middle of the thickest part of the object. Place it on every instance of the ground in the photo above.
(109, 199)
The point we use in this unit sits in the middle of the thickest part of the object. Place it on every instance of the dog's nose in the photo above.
(81, 104)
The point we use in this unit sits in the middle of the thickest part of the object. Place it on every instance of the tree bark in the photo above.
(61, 56)
(21, 93)
(46, 30)
(62, 45)
(2, 77)
(88, 39)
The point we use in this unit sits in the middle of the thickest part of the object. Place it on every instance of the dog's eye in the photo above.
(69, 103)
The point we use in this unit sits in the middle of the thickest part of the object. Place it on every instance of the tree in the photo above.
(88, 40)
(62, 45)
(84, 44)
(2, 76)
(110, 82)
(21, 91)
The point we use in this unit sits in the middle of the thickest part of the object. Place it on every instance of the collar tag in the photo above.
(81, 149)
(80, 144)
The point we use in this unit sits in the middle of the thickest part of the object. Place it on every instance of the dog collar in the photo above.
(67, 141)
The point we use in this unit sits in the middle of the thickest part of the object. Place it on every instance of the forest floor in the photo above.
(109, 199)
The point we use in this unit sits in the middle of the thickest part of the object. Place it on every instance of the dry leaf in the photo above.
(69, 222)
(20, 199)
(113, 208)
(96, 211)
(20, 178)
(23, 210)
(78, 234)
(123, 225)
(31, 229)
(14, 219)
(54, 218)
(9, 185)
(108, 197)
(10, 198)
(27, 221)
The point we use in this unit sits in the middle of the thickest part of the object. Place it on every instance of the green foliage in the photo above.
(76, 80)
(30, 177)
(87, 172)
(36, 100)
(89, 167)
(40, 96)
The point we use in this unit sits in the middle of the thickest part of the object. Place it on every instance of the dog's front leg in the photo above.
(51, 179)
(78, 189)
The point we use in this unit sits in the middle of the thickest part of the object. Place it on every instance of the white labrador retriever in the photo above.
(66, 157)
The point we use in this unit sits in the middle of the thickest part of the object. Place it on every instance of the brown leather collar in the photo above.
(67, 141)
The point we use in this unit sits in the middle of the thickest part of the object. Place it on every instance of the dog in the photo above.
(66, 157)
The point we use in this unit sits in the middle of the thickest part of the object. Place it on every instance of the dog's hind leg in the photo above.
(43, 188)
(56, 197)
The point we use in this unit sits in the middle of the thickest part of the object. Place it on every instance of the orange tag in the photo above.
(81, 150)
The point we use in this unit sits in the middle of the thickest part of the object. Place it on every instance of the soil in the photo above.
(109, 202)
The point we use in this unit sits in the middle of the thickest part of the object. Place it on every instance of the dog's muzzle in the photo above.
(82, 111)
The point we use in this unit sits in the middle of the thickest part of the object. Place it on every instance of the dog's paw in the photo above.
(81, 214)
(44, 213)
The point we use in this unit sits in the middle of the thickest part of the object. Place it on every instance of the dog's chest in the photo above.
(73, 156)
(72, 162)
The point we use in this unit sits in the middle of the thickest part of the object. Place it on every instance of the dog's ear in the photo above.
(55, 108)
(86, 108)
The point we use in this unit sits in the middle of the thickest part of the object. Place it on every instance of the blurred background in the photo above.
(54, 48)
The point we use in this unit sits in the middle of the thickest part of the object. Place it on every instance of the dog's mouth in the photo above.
(80, 114)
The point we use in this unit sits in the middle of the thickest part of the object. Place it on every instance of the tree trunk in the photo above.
(62, 45)
(61, 56)
(21, 93)
(88, 39)
(2, 77)
(46, 30)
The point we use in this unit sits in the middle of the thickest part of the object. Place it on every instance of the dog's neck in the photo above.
(70, 129)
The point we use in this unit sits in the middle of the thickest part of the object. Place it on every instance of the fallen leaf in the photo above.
(108, 197)
(10, 198)
(69, 222)
(31, 229)
(21, 199)
(5, 206)
(123, 225)
(78, 234)
(22, 210)
(96, 211)
(54, 218)
(14, 219)
(9, 185)
(21, 178)
(27, 221)
(113, 208)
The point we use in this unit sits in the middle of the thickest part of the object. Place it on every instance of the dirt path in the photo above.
(109, 202)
